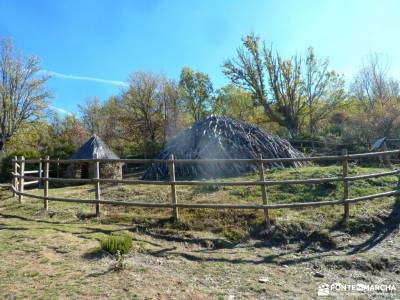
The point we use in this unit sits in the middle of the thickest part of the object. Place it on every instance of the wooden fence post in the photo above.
(58, 169)
(98, 194)
(386, 157)
(21, 180)
(173, 187)
(15, 179)
(346, 192)
(264, 192)
(40, 172)
(46, 183)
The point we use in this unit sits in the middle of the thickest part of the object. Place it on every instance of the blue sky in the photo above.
(108, 40)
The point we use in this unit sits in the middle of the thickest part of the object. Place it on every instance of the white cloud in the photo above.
(61, 111)
(93, 79)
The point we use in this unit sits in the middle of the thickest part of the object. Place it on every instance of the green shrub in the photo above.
(115, 243)
(234, 234)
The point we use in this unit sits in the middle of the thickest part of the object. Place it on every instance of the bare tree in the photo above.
(372, 85)
(23, 95)
(173, 108)
(92, 116)
(379, 97)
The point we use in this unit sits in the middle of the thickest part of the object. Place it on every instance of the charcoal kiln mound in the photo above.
(221, 138)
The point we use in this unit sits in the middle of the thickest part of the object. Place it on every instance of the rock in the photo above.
(319, 274)
(263, 280)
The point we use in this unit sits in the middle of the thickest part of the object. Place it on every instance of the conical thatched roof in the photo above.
(94, 146)
(224, 138)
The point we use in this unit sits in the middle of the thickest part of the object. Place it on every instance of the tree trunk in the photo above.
(2, 147)
(312, 126)
(293, 131)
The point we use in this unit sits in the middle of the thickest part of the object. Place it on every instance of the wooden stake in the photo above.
(98, 193)
(346, 191)
(264, 192)
(46, 183)
(15, 179)
(173, 188)
(58, 168)
(21, 180)
(40, 173)
(386, 157)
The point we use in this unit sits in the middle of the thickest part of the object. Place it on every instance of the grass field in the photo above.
(208, 253)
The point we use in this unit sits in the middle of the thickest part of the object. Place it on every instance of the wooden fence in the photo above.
(19, 175)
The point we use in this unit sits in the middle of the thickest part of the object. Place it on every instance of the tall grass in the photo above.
(114, 243)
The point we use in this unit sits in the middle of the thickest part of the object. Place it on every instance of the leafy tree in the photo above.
(274, 83)
(233, 102)
(281, 86)
(23, 95)
(141, 119)
(31, 140)
(143, 106)
(67, 136)
(324, 90)
(196, 91)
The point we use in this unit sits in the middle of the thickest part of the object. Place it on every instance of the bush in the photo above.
(234, 234)
(115, 243)
(6, 168)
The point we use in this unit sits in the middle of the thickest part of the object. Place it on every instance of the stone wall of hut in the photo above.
(107, 170)
(73, 171)
(111, 170)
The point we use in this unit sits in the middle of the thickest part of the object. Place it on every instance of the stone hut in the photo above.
(95, 148)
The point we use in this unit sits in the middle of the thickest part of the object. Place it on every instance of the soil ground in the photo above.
(209, 254)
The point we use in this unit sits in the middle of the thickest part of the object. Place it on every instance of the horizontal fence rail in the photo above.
(206, 161)
(221, 206)
(19, 175)
(212, 182)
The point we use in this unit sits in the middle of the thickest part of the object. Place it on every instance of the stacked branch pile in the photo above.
(221, 138)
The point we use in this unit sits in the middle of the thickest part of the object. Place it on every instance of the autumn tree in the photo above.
(70, 135)
(324, 89)
(143, 108)
(196, 91)
(106, 120)
(283, 87)
(23, 94)
(141, 118)
(233, 102)
(32, 140)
